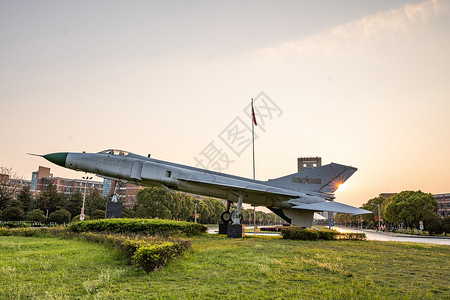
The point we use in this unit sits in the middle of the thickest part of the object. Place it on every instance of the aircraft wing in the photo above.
(332, 206)
(243, 186)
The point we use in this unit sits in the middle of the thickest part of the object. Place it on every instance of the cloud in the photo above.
(387, 25)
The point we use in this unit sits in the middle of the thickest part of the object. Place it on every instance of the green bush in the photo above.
(353, 236)
(60, 216)
(36, 215)
(327, 235)
(300, 234)
(148, 226)
(148, 252)
(37, 232)
(77, 218)
(13, 213)
(313, 235)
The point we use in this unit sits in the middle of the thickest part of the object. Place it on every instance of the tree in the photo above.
(373, 205)
(60, 216)
(13, 213)
(433, 225)
(156, 202)
(8, 186)
(445, 223)
(36, 215)
(50, 199)
(204, 211)
(26, 197)
(74, 203)
(95, 201)
(217, 209)
(187, 206)
(409, 207)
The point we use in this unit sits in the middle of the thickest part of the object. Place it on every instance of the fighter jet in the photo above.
(293, 197)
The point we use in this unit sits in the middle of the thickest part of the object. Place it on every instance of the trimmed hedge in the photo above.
(314, 235)
(148, 226)
(351, 236)
(35, 232)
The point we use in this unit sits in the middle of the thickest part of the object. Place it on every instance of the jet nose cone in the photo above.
(57, 158)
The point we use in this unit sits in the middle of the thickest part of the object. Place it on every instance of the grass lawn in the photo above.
(222, 268)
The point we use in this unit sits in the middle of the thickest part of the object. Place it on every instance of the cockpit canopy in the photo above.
(115, 152)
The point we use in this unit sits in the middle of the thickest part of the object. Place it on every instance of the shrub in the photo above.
(77, 218)
(36, 215)
(13, 213)
(300, 234)
(312, 235)
(5, 231)
(148, 252)
(60, 216)
(327, 235)
(148, 226)
(98, 214)
(351, 236)
(153, 257)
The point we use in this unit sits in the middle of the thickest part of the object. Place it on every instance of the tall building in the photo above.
(306, 163)
(444, 204)
(41, 178)
(10, 187)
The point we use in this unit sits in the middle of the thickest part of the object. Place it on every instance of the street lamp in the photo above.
(84, 196)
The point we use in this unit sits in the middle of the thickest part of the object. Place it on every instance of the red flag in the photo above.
(253, 114)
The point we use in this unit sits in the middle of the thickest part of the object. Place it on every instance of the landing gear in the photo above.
(226, 217)
(115, 196)
(233, 229)
(236, 216)
(114, 208)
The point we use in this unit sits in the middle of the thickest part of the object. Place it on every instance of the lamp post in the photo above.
(84, 196)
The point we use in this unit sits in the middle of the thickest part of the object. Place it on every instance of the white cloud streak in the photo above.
(387, 25)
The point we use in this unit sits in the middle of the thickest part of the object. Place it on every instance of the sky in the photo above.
(361, 83)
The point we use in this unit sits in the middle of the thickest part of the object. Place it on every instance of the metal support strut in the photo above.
(115, 196)
(236, 216)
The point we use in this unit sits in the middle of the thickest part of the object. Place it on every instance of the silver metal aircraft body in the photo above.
(294, 197)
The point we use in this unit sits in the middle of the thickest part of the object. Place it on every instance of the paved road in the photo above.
(397, 237)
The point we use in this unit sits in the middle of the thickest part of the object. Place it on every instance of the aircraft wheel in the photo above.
(226, 217)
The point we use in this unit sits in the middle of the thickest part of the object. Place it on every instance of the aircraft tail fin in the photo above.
(325, 179)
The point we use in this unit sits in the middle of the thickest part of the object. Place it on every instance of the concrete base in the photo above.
(223, 228)
(113, 210)
(236, 230)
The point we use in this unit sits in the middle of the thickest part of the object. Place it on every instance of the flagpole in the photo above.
(253, 142)
(253, 139)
